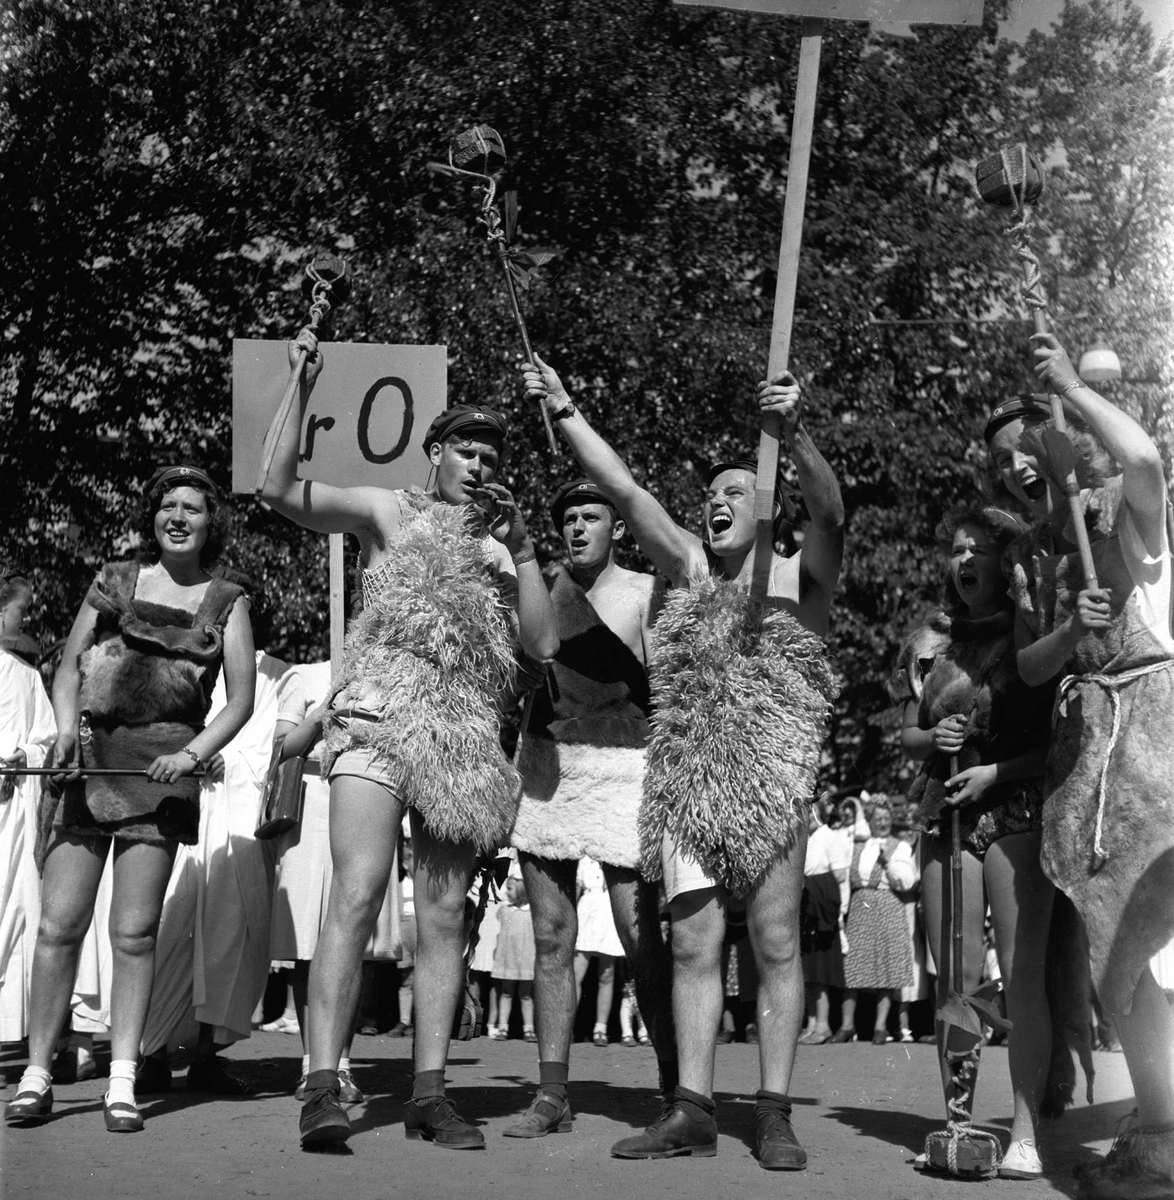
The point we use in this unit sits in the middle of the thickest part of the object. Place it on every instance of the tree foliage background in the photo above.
(169, 168)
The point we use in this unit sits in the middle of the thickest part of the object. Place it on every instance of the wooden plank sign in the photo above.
(918, 12)
(364, 420)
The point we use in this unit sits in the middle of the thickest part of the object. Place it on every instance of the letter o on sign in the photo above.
(365, 410)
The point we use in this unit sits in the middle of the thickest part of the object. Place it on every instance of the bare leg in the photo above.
(772, 919)
(936, 895)
(1147, 1037)
(580, 964)
(699, 924)
(443, 873)
(848, 1010)
(884, 1001)
(634, 910)
(73, 870)
(823, 1009)
(505, 1005)
(364, 826)
(406, 993)
(1021, 907)
(550, 884)
(606, 990)
(526, 999)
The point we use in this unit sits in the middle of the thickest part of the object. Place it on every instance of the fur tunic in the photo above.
(582, 760)
(1124, 892)
(146, 685)
(742, 695)
(963, 666)
(432, 652)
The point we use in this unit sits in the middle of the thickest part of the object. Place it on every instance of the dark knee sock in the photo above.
(322, 1079)
(772, 1102)
(667, 1069)
(428, 1085)
(552, 1077)
(698, 1107)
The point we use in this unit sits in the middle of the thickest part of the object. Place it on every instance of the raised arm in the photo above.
(823, 544)
(1144, 480)
(318, 506)
(674, 550)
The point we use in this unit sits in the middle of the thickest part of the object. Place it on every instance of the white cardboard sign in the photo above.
(919, 12)
(365, 418)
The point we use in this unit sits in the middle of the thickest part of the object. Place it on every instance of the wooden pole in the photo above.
(337, 600)
(802, 127)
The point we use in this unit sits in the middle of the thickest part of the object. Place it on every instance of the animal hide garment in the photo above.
(741, 698)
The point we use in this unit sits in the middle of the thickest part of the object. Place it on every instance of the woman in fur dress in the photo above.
(964, 701)
(1108, 839)
(133, 690)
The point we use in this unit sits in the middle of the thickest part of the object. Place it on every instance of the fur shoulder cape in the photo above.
(741, 697)
(435, 644)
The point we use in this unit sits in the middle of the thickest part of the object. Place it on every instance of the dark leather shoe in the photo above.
(209, 1075)
(323, 1121)
(153, 1075)
(671, 1136)
(122, 1118)
(436, 1120)
(548, 1114)
(778, 1147)
(29, 1108)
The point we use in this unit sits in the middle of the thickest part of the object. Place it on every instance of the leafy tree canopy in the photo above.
(168, 169)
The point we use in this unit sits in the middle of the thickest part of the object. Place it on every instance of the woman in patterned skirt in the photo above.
(880, 953)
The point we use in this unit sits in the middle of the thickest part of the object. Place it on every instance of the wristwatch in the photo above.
(567, 410)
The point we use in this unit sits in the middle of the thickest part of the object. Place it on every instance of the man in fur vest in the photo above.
(741, 691)
(582, 766)
(413, 724)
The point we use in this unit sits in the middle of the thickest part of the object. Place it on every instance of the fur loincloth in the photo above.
(582, 764)
(742, 694)
(132, 808)
(582, 797)
(434, 646)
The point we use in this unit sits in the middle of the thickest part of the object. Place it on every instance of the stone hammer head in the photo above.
(1013, 175)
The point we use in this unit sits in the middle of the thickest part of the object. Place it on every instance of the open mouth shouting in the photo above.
(967, 578)
(1035, 488)
(720, 522)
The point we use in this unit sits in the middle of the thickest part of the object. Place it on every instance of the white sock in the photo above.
(305, 1064)
(344, 1063)
(122, 1082)
(34, 1079)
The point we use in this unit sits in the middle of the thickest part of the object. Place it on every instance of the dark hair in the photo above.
(1094, 464)
(12, 586)
(1000, 524)
(149, 550)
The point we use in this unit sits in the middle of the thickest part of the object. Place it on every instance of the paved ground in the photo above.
(862, 1111)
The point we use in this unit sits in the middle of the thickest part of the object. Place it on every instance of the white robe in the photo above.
(26, 723)
(212, 952)
(231, 965)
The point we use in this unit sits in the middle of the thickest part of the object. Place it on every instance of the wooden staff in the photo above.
(67, 770)
(325, 277)
(802, 127)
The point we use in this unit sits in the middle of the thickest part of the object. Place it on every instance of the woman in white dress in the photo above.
(27, 732)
